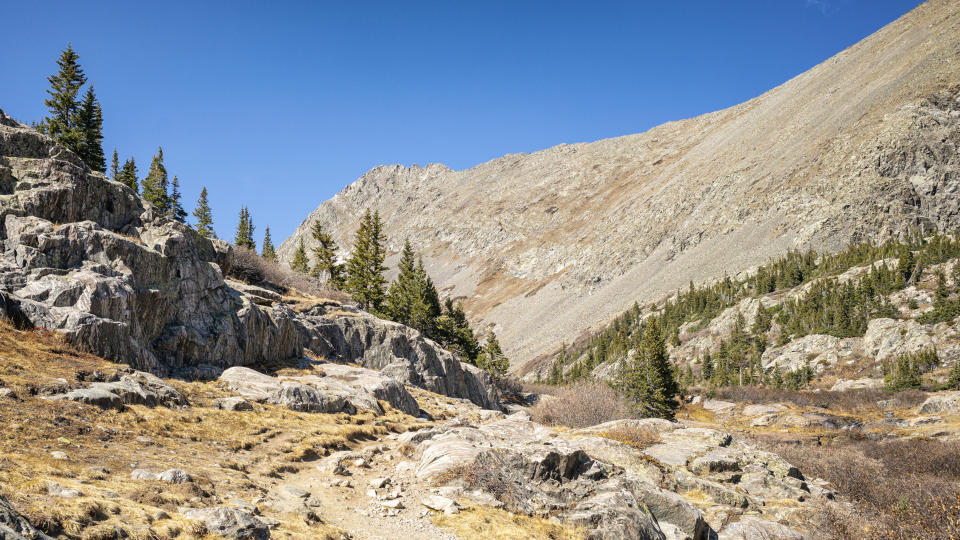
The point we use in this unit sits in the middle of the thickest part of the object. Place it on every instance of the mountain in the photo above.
(544, 246)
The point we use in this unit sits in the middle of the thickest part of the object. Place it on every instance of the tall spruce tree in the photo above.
(267, 251)
(649, 380)
(365, 281)
(115, 167)
(175, 210)
(89, 125)
(63, 103)
(204, 216)
(454, 332)
(244, 236)
(128, 175)
(325, 256)
(412, 299)
(491, 359)
(155, 185)
(300, 262)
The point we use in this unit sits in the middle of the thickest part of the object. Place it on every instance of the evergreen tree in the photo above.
(491, 359)
(62, 103)
(155, 186)
(89, 126)
(365, 281)
(326, 257)
(454, 332)
(906, 264)
(176, 210)
(244, 236)
(399, 298)
(204, 216)
(267, 250)
(412, 299)
(300, 263)
(706, 370)
(128, 175)
(115, 167)
(953, 379)
(649, 380)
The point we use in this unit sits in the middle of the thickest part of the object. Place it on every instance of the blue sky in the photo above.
(279, 105)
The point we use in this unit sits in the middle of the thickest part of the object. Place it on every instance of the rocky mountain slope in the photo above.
(85, 257)
(545, 245)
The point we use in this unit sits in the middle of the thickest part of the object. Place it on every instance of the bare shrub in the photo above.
(486, 474)
(541, 389)
(511, 389)
(906, 488)
(247, 266)
(846, 400)
(582, 404)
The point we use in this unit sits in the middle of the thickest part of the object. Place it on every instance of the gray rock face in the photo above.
(376, 384)
(85, 256)
(753, 528)
(943, 403)
(13, 526)
(293, 395)
(401, 353)
(231, 523)
(530, 469)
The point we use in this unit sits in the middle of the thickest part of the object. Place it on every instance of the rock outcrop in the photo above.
(547, 244)
(85, 256)
(13, 526)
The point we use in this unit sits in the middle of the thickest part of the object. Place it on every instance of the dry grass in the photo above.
(905, 488)
(485, 523)
(581, 405)
(862, 400)
(242, 452)
(635, 437)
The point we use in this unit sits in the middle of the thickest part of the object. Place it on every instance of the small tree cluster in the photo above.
(491, 358)
(905, 372)
(74, 122)
(245, 228)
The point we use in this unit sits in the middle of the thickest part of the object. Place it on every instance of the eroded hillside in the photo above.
(545, 245)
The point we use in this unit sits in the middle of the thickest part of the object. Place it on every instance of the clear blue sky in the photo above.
(279, 105)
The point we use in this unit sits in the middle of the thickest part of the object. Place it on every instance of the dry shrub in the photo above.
(486, 474)
(581, 405)
(541, 389)
(846, 400)
(511, 389)
(247, 266)
(636, 437)
(906, 488)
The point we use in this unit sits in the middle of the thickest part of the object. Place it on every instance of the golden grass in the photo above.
(236, 453)
(485, 523)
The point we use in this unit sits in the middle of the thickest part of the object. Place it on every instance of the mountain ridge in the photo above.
(543, 246)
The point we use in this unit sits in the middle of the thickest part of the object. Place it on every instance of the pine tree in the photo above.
(128, 175)
(326, 257)
(154, 186)
(89, 126)
(665, 388)
(491, 359)
(63, 103)
(365, 281)
(204, 216)
(454, 332)
(176, 210)
(244, 236)
(706, 370)
(115, 167)
(267, 250)
(300, 263)
(400, 295)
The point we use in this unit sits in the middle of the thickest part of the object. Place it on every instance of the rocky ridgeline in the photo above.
(548, 244)
(84, 256)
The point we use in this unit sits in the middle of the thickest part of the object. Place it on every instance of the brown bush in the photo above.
(249, 267)
(904, 488)
(635, 437)
(582, 404)
(846, 400)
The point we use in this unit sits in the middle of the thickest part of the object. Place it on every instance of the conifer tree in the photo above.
(155, 185)
(63, 103)
(400, 295)
(244, 236)
(175, 210)
(128, 175)
(706, 370)
(89, 126)
(267, 251)
(300, 263)
(491, 358)
(454, 332)
(204, 216)
(325, 255)
(365, 281)
(115, 167)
